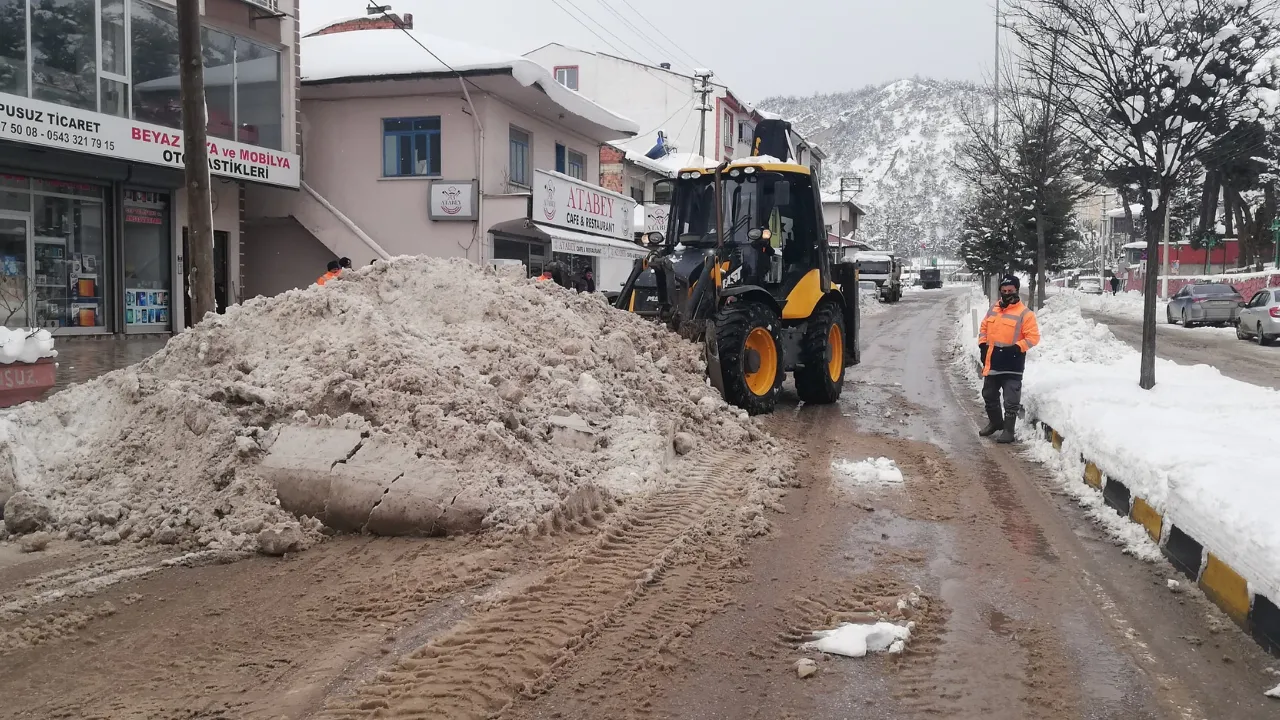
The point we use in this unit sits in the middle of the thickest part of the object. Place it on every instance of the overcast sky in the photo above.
(757, 47)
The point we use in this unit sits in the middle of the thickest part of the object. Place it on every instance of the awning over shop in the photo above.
(579, 243)
(570, 241)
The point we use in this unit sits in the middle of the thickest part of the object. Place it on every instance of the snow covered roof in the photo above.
(384, 54)
(1119, 212)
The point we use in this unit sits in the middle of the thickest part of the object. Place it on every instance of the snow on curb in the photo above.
(1187, 462)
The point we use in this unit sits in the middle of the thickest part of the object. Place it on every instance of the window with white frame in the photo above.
(743, 135)
(726, 133)
(575, 165)
(568, 76)
(411, 147)
(518, 172)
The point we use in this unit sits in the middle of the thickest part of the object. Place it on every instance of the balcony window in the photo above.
(156, 94)
(576, 166)
(258, 110)
(219, 52)
(568, 76)
(13, 47)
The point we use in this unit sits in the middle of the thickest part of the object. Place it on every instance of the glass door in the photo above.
(15, 278)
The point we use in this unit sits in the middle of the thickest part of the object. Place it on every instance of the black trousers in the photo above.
(1012, 387)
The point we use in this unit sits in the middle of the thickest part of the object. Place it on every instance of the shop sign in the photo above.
(452, 200)
(655, 218)
(600, 250)
(42, 123)
(565, 202)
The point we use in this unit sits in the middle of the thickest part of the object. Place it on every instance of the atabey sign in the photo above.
(452, 200)
(41, 123)
(568, 203)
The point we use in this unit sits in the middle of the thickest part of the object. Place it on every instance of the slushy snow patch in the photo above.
(856, 640)
(1273, 692)
(872, 471)
(25, 345)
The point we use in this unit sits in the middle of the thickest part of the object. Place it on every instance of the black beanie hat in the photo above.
(1011, 280)
(333, 265)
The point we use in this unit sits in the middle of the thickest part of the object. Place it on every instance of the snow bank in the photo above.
(463, 366)
(25, 345)
(1199, 447)
(1128, 305)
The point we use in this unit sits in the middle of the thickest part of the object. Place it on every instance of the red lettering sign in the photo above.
(155, 137)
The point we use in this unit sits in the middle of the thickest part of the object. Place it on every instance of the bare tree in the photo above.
(1147, 83)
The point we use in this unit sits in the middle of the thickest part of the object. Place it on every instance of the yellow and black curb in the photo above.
(1256, 613)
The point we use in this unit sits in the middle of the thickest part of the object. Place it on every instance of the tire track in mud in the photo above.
(516, 648)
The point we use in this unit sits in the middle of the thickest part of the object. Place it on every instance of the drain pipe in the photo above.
(377, 249)
(475, 117)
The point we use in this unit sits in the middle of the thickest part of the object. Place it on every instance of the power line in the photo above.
(602, 27)
(673, 43)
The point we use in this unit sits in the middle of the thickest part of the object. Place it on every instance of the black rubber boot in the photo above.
(1006, 437)
(995, 421)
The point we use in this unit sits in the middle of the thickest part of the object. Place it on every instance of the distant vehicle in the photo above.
(1089, 286)
(1204, 304)
(931, 278)
(1259, 319)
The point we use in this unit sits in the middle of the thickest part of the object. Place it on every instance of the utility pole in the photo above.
(195, 160)
(703, 76)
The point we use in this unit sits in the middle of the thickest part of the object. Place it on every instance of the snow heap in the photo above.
(464, 366)
(872, 471)
(1198, 447)
(25, 345)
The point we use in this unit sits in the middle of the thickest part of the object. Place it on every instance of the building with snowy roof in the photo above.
(418, 144)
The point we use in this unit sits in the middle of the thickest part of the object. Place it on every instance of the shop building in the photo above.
(406, 155)
(92, 204)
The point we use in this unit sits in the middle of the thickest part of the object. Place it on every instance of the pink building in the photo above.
(401, 156)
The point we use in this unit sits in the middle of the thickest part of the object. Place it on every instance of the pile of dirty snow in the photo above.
(462, 366)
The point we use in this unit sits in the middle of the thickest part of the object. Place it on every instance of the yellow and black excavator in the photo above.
(744, 269)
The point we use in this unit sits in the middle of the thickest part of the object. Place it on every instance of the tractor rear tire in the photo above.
(750, 356)
(820, 379)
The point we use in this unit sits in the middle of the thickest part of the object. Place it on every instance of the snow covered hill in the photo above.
(901, 138)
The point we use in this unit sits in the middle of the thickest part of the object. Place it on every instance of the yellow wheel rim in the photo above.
(760, 382)
(835, 341)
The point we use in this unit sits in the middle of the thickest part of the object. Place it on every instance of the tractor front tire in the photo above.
(820, 379)
(750, 356)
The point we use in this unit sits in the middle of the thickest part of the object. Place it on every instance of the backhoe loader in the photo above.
(744, 269)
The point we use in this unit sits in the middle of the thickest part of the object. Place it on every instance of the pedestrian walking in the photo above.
(335, 269)
(1115, 285)
(1008, 332)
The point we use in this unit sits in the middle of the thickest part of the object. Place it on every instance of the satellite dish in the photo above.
(660, 149)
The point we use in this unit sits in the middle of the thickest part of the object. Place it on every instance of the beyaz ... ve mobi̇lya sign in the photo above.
(565, 202)
(41, 123)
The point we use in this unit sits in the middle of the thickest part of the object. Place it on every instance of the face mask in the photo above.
(1007, 300)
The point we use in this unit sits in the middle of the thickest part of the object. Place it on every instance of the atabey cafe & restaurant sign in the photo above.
(562, 201)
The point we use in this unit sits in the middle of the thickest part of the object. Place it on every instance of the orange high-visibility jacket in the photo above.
(328, 276)
(1005, 337)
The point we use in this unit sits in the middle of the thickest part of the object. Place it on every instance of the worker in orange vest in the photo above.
(1008, 332)
(335, 270)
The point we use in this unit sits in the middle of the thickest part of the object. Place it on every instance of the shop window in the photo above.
(148, 253)
(219, 52)
(13, 47)
(576, 165)
(70, 264)
(568, 76)
(519, 161)
(411, 146)
(156, 95)
(64, 53)
(258, 110)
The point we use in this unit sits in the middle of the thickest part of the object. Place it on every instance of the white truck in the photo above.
(884, 270)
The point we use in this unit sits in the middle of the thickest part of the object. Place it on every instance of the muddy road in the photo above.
(1239, 359)
(670, 606)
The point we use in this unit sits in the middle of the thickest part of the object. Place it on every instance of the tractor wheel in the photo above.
(821, 377)
(750, 356)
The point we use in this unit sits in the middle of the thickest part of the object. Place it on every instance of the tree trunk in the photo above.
(1155, 226)
(1041, 261)
(195, 155)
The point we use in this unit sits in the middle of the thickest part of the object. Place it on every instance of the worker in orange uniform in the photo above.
(1008, 332)
(335, 270)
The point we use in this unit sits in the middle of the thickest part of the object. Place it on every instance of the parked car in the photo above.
(1260, 317)
(1206, 303)
(1089, 286)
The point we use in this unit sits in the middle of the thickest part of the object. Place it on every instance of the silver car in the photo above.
(1204, 304)
(1260, 317)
